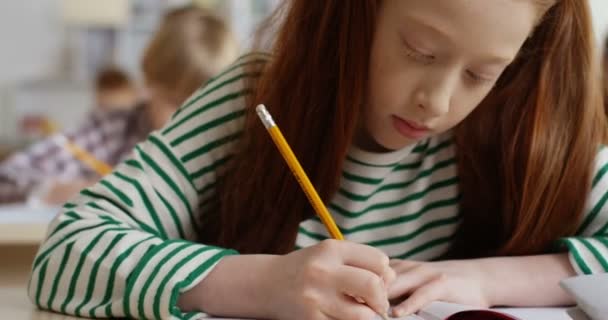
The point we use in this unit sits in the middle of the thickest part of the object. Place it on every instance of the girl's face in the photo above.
(433, 61)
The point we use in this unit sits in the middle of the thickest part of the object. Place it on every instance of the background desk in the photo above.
(15, 305)
(22, 229)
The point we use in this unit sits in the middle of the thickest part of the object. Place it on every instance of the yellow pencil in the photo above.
(97, 165)
(299, 173)
(302, 179)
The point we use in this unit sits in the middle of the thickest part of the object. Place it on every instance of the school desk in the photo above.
(22, 229)
(15, 305)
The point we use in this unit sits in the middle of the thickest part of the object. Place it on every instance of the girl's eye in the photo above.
(477, 78)
(417, 55)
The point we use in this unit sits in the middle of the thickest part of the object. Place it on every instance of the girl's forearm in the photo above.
(527, 281)
(234, 288)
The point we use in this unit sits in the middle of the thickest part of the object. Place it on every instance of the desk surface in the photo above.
(20, 224)
(15, 305)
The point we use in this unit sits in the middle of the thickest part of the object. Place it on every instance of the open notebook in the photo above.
(591, 292)
(450, 311)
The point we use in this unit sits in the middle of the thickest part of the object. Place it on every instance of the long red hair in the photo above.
(605, 73)
(528, 149)
(526, 154)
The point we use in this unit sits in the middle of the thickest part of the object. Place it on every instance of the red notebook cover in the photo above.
(480, 315)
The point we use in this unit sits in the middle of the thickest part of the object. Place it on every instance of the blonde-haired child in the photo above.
(190, 46)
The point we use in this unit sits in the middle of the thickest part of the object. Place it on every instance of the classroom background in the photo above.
(52, 51)
(52, 54)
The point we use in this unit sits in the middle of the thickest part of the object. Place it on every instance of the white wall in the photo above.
(599, 10)
(30, 34)
(30, 37)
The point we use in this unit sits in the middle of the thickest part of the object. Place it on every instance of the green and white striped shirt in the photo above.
(125, 247)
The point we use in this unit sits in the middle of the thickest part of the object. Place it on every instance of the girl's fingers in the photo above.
(347, 308)
(368, 258)
(429, 292)
(403, 265)
(360, 256)
(410, 280)
(365, 285)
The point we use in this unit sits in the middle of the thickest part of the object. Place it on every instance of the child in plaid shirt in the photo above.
(114, 90)
(173, 66)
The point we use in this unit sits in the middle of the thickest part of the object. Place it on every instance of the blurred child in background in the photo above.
(114, 90)
(190, 46)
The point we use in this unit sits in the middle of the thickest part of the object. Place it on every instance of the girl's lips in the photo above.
(409, 129)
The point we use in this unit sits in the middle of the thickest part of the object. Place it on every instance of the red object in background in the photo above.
(35, 126)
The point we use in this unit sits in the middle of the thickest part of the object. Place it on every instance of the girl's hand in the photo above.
(458, 281)
(320, 282)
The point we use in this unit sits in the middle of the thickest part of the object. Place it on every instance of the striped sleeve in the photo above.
(126, 246)
(589, 248)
